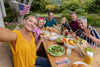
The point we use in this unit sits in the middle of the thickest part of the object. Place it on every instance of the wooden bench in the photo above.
(5, 55)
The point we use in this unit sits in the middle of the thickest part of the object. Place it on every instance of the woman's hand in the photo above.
(87, 32)
(42, 38)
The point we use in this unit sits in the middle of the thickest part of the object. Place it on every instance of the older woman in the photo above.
(87, 33)
(82, 22)
(23, 45)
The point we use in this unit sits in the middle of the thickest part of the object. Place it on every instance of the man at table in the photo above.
(74, 24)
(50, 21)
(82, 22)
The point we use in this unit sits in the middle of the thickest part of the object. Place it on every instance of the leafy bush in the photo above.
(11, 27)
(59, 21)
(10, 16)
(50, 7)
(71, 4)
(79, 11)
(39, 5)
(93, 21)
(9, 19)
(67, 11)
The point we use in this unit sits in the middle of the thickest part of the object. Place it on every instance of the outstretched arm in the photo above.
(7, 35)
(87, 33)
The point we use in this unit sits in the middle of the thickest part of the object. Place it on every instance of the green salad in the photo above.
(89, 49)
(58, 40)
(56, 50)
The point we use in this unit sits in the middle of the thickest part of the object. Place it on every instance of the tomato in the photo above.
(62, 41)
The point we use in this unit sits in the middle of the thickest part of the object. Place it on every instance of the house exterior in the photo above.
(2, 13)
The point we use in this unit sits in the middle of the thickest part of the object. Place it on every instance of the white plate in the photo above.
(50, 47)
(79, 62)
(53, 37)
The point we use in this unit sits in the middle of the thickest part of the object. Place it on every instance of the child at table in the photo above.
(65, 25)
(40, 25)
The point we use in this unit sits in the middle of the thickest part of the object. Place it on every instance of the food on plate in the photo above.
(78, 65)
(70, 41)
(58, 40)
(74, 65)
(89, 49)
(62, 41)
(42, 33)
(52, 35)
(56, 50)
(65, 39)
(47, 28)
(81, 65)
(53, 30)
(84, 41)
(77, 38)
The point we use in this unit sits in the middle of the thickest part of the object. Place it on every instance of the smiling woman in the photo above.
(23, 45)
(84, 27)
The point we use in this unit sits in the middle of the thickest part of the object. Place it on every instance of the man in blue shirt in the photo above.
(50, 21)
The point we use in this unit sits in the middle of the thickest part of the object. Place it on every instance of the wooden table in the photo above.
(75, 56)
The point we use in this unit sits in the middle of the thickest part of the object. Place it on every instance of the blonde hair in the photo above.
(29, 17)
(65, 19)
(38, 23)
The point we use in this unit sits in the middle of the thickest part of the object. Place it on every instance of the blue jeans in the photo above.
(42, 62)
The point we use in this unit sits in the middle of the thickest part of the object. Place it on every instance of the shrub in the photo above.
(9, 19)
(67, 11)
(79, 11)
(71, 4)
(93, 21)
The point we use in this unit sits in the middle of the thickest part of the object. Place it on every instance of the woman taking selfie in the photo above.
(23, 45)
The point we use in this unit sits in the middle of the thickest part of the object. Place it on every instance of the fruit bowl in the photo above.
(69, 43)
(70, 46)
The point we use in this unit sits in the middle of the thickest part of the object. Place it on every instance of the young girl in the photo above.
(65, 25)
(40, 25)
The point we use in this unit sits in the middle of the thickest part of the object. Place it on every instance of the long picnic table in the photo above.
(75, 55)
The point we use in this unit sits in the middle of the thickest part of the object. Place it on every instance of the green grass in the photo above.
(97, 28)
(11, 27)
(20, 26)
(46, 15)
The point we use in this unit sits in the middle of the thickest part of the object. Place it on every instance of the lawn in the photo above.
(12, 27)
(46, 15)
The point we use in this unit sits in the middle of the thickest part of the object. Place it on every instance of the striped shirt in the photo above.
(93, 32)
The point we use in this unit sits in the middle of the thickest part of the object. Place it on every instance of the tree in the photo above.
(70, 4)
(94, 7)
(39, 5)
(14, 5)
